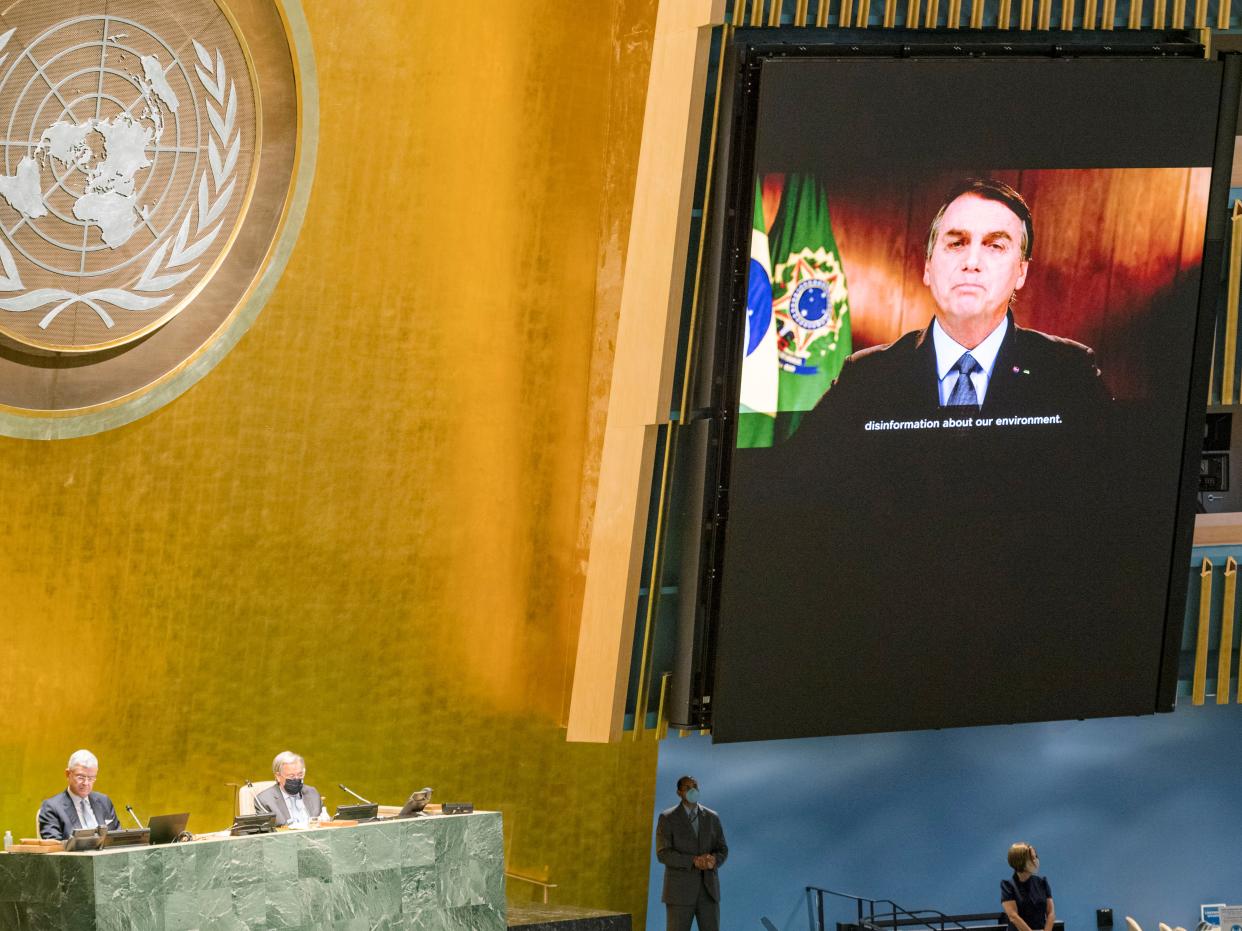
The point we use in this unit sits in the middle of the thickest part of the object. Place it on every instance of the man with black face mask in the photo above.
(292, 801)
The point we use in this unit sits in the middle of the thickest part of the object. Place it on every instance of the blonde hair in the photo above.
(1020, 855)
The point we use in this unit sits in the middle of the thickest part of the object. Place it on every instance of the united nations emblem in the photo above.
(151, 154)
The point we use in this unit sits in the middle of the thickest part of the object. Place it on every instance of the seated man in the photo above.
(291, 801)
(77, 807)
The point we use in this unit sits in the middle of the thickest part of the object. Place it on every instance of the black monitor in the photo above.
(894, 544)
(258, 823)
(415, 804)
(357, 812)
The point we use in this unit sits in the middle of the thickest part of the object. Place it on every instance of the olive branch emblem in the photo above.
(166, 268)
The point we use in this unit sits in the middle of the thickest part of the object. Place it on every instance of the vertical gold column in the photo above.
(1224, 14)
(1136, 15)
(1108, 14)
(1067, 14)
(1179, 15)
(1043, 19)
(756, 12)
(863, 16)
(955, 14)
(912, 13)
(1157, 14)
(1088, 14)
(976, 14)
(1199, 685)
(1025, 15)
(1200, 14)
(739, 13)
(800, 12)
(644, 366)
(1224, 660)
(821, 13)
(1231, 306)
(932, 15)
(890, 13)
(661, 716)
(845, 13)
(774, 12)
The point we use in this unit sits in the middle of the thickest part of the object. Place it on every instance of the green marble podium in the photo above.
(433, 874)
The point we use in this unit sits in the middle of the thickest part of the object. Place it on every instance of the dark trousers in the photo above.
(706, 910)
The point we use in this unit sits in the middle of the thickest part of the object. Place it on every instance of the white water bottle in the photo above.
(8, 839)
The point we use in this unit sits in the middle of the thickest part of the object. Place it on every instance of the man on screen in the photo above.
(79, 806)
(973, 358)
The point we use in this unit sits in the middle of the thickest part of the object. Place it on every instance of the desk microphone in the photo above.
(346, 788)
(130, 809)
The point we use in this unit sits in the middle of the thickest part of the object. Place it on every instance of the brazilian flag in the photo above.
(810, 301)
(760, 375)
(797, 313)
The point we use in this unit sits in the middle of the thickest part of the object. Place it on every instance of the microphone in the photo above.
(130, 809)
(346, 788)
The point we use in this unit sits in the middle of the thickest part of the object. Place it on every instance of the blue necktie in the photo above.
(964, 389)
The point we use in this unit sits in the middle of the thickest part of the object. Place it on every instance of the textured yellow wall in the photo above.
(362, 536)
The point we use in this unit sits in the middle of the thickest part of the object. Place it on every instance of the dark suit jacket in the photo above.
(676, 847)
(273, 799)
(58, 817)
(1035, 374)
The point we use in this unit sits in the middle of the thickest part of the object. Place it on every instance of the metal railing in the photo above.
(929, 918)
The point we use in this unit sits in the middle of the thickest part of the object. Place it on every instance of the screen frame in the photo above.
(726, 275)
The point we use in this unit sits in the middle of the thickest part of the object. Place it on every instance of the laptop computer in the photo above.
(167, 828)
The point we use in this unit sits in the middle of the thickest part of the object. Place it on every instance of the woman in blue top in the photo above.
(1027, 897)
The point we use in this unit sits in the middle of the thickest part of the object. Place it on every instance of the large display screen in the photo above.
(972, 317)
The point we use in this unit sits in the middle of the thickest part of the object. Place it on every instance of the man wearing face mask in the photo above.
(292, 801)
(1027, 897)
(690, 842)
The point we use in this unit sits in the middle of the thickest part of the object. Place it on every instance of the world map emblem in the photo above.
(140, 192)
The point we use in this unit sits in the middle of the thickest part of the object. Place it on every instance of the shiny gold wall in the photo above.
(362, 536)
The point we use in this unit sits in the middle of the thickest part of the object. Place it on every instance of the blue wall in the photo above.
(1138, 814)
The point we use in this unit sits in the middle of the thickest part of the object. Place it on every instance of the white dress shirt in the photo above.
(297, 809)
(949, 350)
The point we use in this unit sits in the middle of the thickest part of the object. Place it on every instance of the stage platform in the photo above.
(535, 917)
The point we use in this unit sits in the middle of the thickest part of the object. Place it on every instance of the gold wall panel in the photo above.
(364, 536)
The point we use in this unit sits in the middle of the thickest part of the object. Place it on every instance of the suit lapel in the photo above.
(97, 808)
(73, 821)
(283, 809)
(1002, 384)
(927, 375)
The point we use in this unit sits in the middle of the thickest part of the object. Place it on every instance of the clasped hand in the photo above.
(705, 861)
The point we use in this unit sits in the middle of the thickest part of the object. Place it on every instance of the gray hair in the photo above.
(286, 756)
(83, 758)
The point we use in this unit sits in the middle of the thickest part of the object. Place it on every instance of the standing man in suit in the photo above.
(972, 358)
(78, 806)
(291, 800)
(691, 844)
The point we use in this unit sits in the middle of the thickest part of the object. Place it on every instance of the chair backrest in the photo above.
(246, 794)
